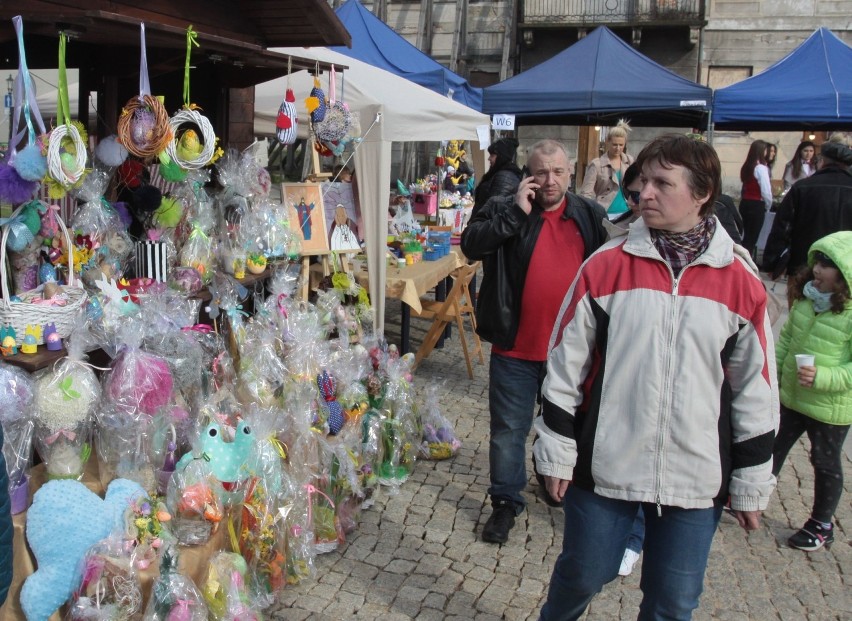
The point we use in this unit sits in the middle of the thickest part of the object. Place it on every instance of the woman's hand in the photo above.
(556, 487)
(807, 376)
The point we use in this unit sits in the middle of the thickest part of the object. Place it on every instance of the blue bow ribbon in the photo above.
(19, 233)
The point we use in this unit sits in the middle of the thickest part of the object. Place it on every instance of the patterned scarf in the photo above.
(681, 249)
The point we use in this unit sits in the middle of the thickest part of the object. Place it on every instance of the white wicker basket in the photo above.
(21, 314)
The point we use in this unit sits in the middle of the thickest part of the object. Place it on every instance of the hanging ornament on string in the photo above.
(286, 124)
(335, 123)
(189, 149)
(143, 128)
(316, 103)
(66, 145)
(30, 162)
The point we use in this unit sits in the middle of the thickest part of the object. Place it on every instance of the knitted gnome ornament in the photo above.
(286, 123)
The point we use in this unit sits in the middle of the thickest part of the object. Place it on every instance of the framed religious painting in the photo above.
(307, 214)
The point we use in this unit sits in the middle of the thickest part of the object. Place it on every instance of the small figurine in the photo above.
(52, 338)
(32, 336)
(8, 341)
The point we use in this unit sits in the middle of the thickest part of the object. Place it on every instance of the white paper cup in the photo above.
(804, 360)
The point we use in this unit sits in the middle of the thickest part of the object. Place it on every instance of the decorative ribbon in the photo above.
(70, 435)
(216, 362)
(144, 82)
(62, 109)
(18, 227)
(279, 446)
(197, 232)
(332, 86)
(236, 311)
(25, 104)
(232, 534)
(71, 360)
(51, 211)
(191, 39)
(199, 327)
(311, 491)
(108, 208)
(282, 308)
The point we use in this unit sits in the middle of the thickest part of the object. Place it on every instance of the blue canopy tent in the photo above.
(811, 88)
(375, 43)
(595, 82)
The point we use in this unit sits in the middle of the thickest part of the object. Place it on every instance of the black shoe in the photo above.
(545, 495)
(811, 537)
(502, 520)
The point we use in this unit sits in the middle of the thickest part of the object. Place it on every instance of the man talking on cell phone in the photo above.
(532, 245)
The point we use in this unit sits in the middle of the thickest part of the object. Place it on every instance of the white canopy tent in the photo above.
(390, 109)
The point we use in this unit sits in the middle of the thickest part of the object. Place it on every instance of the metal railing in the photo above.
(634, 12)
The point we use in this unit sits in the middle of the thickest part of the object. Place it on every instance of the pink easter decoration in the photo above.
(139, 381)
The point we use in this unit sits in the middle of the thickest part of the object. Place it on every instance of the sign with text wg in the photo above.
(503, 121)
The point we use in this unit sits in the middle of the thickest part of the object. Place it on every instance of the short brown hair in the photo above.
(699, 159)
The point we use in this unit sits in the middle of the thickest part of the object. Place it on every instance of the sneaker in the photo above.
(545, 495)
(812, 536)
(627, 563)
(501, 521)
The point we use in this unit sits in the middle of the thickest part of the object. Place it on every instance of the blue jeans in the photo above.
(637, 533)
(514, 386)
(676, 548)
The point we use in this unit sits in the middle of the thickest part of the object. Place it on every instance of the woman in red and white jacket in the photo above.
(756, 194)
(660, 393)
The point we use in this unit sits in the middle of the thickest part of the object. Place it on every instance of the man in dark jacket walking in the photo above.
(813, 208)
(532, 246)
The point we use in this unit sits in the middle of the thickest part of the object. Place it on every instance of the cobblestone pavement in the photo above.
(417, 555)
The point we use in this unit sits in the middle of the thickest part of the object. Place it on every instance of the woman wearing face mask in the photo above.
(801, 166)
(605, 174)
(816, 395)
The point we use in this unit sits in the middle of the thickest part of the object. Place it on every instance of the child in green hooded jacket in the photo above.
(817, 398)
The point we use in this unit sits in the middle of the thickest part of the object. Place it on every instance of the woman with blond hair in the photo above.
(605, 173)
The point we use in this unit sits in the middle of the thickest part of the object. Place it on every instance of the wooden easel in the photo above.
(325, 260)
(317, 175)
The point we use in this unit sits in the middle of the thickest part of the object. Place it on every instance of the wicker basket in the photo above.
(21, 314)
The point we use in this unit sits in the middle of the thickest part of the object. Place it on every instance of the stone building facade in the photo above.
(714, 42)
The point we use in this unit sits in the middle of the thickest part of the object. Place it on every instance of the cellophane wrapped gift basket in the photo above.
(256, 425)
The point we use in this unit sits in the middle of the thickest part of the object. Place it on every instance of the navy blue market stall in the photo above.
(811, 88)
(596, 81)
(375, 43)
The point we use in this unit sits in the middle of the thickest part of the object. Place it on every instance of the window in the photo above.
(719, 77)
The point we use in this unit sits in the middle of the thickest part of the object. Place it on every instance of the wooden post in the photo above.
(587, 150)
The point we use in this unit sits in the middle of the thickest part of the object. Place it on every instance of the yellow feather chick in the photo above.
(189, 146)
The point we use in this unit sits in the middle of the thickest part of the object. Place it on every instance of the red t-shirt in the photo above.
(555, 261)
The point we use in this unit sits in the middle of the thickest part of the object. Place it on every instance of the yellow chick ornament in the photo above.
(189, 146)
